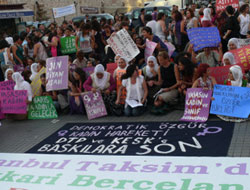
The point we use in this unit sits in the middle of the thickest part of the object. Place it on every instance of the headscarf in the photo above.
(117, 55)
(207, 15)
(237, 74)
(6, 73)
(126, 61)
(148, 68)
(101, 83)
(230, 57)
(9, 40)
(234, 41)
(34, 68)
(21, 84)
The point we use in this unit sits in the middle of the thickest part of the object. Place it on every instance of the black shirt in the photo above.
(168, 76)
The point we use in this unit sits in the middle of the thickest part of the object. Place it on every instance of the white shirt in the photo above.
(133, 90)
(152, 25)
(244, 24)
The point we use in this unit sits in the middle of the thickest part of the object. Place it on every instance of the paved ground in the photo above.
(20, 136)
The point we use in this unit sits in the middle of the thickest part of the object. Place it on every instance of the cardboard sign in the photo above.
(122, 44)
(89, 70)
(94, 105)
(7, 85)
(150, 48)
(242, 56)
(221, 73)
(197, 105)
(139, 139)
(68, 45)
(42, 107)
(222, 4)
(231, 101)
(171, 48)
(64, 11)
(13, 101)
(119, 84)
(57, 73)
(111, 67)
(202, 37)
(36, 83)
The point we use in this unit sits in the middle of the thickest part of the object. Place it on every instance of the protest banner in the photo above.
(57, 73)
(202, 37)
(72, 172)
(64, 11)
(42, 107)
(197, 105)
(242, 56)
(68, 45)
(222, 4)
(119, 84)
(243, 42)
(36, 83)
(122, 44)
(231, 101)
(111, 67)
(221, 73)
(146, 138)
(94, 105)
(171, 48)
(149, 50)
(89, 70)
(13, 101)
(89, 10)
(7, 85)
(1, 114)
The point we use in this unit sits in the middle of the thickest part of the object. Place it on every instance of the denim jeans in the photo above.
(129, 111)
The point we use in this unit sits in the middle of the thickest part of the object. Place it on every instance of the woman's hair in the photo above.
(147, 29)
(188, 66)
(42, 63)
(160, 15)
(16, 37)
(4, 44)
(230, 10)
(43, 75)
(243, 8)
(164, 54)
(31, 44)
(96, 26)
(129, 71)
(82, 75)
(202, 68)
(178, 16)
(191, 12)
(182, 54)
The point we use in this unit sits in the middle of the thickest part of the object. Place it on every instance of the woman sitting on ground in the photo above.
(122, 65)
(137, 91)
(228, 59)
(8, 74)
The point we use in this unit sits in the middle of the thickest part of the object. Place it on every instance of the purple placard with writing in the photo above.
(18, 68)
(57, 73)
(7, 85)
(13, 101)
(89, 70)
(94, 105)
(197, 105)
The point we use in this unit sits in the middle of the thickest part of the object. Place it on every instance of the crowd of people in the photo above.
(23, 56)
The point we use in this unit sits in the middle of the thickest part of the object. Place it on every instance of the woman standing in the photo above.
(206, 21)
(161, 30)
(17, 50)
(39, 50)
(29, 47)
(137, 92)
(5, 52)
(244, 20)
(192, 21)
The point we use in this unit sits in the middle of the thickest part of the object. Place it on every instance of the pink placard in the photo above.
(13, 101)
(111, 67)
(7, 85)
(149, 50)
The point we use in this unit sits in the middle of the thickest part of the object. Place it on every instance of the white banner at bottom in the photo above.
(70, 172)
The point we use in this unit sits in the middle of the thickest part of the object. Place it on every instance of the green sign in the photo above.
(42, 107)
(68, 45)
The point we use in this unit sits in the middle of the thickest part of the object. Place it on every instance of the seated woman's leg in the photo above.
(138, 111)
(128, 111)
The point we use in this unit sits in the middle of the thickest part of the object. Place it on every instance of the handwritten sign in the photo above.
(111, 67)
(221, 73)
(202, 37)
(222, 4)
(139, 139)
(64, 11)
(231, 101)
(89, 70)
(94, 105)
(42, 107)
(57, 73)
(119, 84)
(122, 44)
(242, 56)
(13, 101)
(150, 48)
(68, 45)
(197, 105)
(7, 85)
(36, 83)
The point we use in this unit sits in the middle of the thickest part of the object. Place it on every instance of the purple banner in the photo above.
(94, 105)
(18, 68)
(57, 73)
(7, 85)
(13, 101)
(89, 70)
(197, 105)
